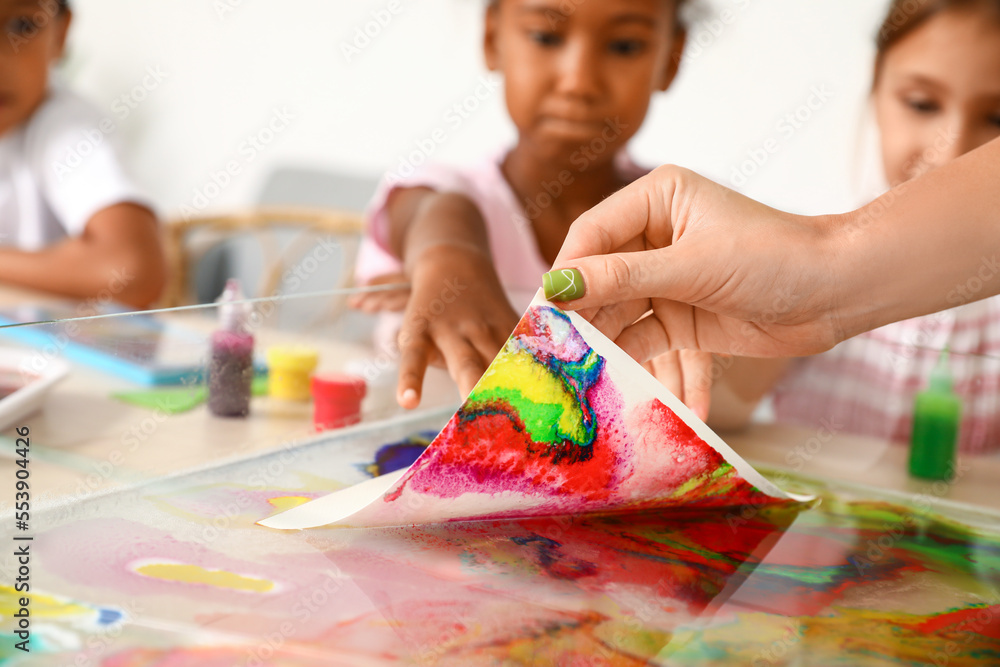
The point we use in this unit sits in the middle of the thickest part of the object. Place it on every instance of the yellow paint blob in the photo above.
(41, 605)
(288, 502)
(193, 574)
(536, 385)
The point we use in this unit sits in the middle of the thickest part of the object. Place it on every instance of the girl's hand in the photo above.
(458, 314)
(688, 376)
(717, 272)
(389, 300)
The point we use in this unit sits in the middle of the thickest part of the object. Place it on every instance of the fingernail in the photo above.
(409, 396)
(563, 285)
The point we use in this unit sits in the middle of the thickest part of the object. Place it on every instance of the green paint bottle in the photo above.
(937, 414)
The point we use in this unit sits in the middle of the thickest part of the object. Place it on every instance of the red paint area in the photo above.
(492, 453)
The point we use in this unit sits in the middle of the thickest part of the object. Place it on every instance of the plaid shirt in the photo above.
(867, 385)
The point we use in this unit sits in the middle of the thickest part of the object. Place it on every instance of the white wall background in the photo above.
(227, 65)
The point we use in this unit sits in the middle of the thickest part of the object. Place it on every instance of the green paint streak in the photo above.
(172, 401)
(960, 556)
(546, 422)
(814, 576)
(544, 401)
(705, 481)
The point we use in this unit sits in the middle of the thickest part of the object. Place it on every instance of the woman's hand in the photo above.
(457, 315)
(715, 271)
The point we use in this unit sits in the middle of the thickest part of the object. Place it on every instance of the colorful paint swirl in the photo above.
(549, 422)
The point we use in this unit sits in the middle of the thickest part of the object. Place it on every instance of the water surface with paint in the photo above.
(845, 581)
(178, 573)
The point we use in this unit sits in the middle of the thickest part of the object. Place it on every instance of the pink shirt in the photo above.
(867, 385)
(516, 256)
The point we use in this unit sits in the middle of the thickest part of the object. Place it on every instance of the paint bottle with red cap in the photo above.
(337, 400)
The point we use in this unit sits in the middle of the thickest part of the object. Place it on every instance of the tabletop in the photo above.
(145, 548)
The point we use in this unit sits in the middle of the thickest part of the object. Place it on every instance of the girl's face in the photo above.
(32, 34)
(580, 74)
(937, 93)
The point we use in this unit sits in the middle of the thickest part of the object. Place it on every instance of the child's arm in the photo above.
(740, 385)
(458, 313)
(119, 255)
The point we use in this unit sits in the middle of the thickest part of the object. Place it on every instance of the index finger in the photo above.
(415, 350)
(621, 218)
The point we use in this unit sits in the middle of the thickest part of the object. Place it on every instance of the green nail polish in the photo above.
(563, 285)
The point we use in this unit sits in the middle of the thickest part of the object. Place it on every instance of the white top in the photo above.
(57, 171)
